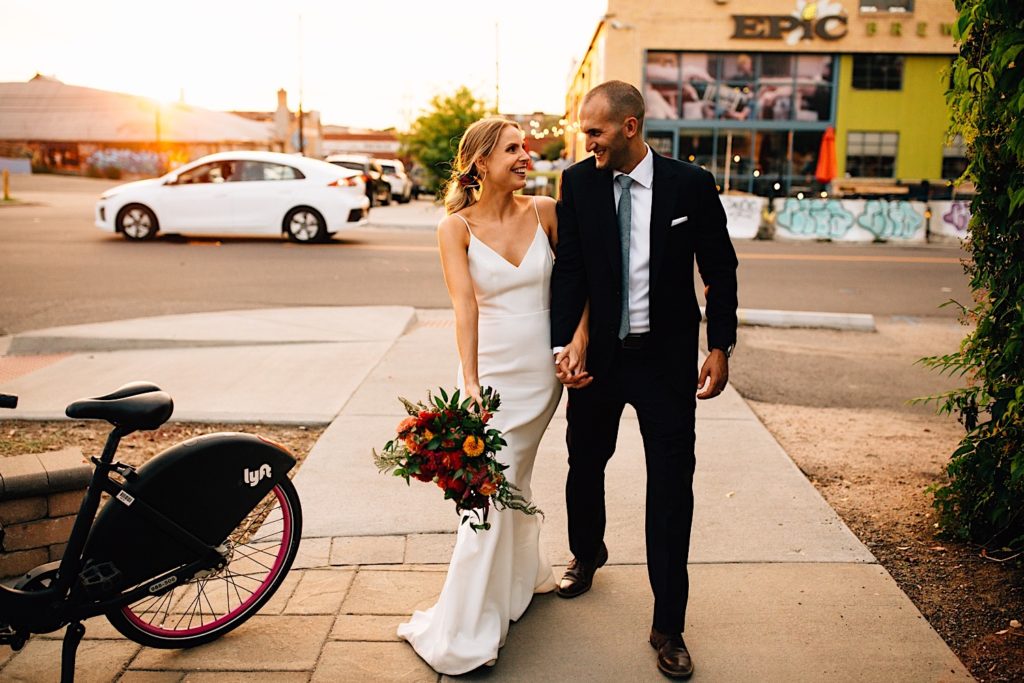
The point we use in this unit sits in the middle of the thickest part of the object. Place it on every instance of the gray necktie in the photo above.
(625, 213)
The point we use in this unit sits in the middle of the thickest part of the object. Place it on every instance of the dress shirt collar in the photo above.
(644, 171)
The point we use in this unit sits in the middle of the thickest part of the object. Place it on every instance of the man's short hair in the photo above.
(623, 99)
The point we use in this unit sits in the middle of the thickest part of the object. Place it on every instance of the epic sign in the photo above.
(776, 26)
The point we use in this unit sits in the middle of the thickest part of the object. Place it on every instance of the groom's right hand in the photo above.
(570, 367)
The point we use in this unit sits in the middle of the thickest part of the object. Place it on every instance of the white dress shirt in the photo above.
(641, 196)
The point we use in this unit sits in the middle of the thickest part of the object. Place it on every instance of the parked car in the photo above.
(239, 192)
(420, 182)
(401, 184)
(378, 190)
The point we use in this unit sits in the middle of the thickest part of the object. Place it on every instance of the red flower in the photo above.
(425, 417)
(453, 461)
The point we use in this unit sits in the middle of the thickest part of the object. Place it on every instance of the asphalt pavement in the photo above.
(57, 268)
(781, 589)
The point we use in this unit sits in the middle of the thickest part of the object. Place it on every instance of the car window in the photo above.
(265, 170)
(215, 172)
(390, 168)
(354, 165)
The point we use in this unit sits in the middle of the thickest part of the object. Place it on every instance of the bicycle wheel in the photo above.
(260, 553)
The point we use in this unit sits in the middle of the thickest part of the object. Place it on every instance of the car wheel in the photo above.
(306, 225)
(386, 201)
(137, 222)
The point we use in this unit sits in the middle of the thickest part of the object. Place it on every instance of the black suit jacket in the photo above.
(589, 263)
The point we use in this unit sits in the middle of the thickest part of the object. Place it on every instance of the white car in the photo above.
(400, 182)
(239, 192)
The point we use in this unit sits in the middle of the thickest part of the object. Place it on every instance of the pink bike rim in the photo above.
(286, 536)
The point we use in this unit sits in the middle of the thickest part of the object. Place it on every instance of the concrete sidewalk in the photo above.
(780, 588)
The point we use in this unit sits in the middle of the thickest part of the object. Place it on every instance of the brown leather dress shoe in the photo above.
(673, 657)
(579, 577)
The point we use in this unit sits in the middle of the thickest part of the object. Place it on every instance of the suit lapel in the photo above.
(608, 225)
(663, 194)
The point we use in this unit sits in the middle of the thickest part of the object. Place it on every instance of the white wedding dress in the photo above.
(494, 573)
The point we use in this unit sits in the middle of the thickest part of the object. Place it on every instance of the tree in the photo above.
(553, 150)
(983, 497)
(433, 138)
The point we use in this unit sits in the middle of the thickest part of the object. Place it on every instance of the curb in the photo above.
(858, 322)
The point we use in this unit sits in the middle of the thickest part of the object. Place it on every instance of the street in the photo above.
(56, 268)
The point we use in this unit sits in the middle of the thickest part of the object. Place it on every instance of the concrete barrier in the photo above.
(851, 220)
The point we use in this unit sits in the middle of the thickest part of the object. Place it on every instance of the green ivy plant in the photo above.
(982, 499)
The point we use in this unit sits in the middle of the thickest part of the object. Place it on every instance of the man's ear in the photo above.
(630, 127)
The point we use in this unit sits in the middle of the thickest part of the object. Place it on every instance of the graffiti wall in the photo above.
(851, 220)
(744, 215)
(950, 219)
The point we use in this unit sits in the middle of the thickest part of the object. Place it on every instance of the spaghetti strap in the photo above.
(466, 222)
(537, 211)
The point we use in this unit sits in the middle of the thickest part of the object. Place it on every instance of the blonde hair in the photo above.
(463, 186)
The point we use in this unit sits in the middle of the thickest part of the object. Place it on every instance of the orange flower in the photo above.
(427, 436)
(473, 446)
(406, 425)
(487, 488)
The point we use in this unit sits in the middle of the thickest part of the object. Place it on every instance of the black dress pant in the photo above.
(665, 405)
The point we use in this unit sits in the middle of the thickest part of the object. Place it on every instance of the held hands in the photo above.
(714, 375)
(570, 365)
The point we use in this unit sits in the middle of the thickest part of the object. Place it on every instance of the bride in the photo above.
(496, 253)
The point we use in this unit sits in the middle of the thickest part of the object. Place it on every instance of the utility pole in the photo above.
(497, 70)
(302, 141)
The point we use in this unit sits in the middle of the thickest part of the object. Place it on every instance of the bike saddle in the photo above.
(135, 406)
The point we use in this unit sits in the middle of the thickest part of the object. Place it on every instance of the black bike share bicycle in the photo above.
(185, 549)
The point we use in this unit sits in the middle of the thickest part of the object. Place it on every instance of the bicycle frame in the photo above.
(48, 609)
(65, 600)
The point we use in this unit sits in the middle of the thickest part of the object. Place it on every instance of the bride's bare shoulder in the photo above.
(453, 227)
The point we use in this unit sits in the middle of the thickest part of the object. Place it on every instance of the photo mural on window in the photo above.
(738, 86)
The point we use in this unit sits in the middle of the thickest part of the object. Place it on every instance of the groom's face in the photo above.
(605, 137)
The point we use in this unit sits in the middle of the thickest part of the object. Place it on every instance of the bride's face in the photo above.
(505, 167)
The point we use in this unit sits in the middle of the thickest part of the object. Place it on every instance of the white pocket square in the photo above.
(677, 221)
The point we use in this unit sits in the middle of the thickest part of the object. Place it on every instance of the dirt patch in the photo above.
(873, 467)
(19, 437)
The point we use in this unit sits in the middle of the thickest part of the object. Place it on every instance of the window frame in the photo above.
(874, 76)
(873, 152)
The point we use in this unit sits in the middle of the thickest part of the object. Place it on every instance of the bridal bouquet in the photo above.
(449, 443)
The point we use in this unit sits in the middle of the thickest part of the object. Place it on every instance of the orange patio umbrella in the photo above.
(826, 169)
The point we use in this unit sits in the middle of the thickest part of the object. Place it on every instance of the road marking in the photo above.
(13, 367)
(391, 247)
(849, 258)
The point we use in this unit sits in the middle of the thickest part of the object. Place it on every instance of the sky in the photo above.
(363, 63)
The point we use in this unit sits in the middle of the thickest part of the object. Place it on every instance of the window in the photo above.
(216, 172)
(871, 154)
(697, 147)
(886, 6)
(263, 170)
(954, 159)
(878, 72)
(738, 86)
(660, 142)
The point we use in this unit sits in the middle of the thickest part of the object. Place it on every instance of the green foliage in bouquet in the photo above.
(447, 440)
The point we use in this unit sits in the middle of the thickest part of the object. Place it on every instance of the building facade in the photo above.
(748, 88)
(70, 129)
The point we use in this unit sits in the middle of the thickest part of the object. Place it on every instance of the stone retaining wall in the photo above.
(39, 498)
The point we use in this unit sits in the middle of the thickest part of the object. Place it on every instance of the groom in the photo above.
(630, 223)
